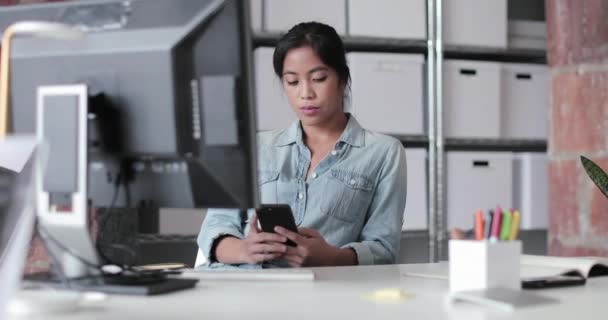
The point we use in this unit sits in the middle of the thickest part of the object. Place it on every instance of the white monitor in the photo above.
(62, 188)
(17, 204)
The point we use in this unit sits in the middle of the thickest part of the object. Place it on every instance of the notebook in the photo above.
(532, 266)
(546, 266)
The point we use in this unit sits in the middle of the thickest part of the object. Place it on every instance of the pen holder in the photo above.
(484, 264)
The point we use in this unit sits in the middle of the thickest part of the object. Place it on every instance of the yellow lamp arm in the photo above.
(4, 80)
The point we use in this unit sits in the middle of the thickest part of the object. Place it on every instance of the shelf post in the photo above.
(436, 217)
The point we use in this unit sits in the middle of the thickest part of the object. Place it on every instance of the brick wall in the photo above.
(577, 32)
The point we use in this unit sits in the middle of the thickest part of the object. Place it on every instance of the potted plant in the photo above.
(597, 175)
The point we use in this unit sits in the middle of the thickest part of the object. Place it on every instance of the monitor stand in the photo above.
(136, 284)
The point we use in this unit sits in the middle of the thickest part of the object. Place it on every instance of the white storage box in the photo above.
(528, 29)
(525, 102)
(477, 181)
(281, 15)
(471, 99)
(416, 212)
(387, 18)
(475, 22)
(255, 7)
(530, 189)
(478, 265)
(517, 42)
(273, 110)
(387, 91)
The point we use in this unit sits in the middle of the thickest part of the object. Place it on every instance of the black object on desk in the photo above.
(273, 215)
(142, 284)
(553, 282)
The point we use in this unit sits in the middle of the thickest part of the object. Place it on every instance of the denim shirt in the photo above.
(355, 197)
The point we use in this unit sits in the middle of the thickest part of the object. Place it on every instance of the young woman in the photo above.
(346, 186)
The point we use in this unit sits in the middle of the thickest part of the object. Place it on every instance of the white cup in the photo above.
(484, 264)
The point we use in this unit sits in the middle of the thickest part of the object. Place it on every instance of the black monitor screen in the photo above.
(171, 115)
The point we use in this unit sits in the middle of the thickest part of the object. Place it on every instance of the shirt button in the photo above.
(300, 196)
(314, 175)
(334, 152)
(353, 181)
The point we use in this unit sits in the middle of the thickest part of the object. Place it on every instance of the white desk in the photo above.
(340, 293)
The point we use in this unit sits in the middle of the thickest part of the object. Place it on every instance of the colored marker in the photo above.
(515, 225)
(505, 228)
(496, 224)
(488, 227)
(479, 225)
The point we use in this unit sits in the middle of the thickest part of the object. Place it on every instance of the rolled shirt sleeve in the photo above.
(218, 223)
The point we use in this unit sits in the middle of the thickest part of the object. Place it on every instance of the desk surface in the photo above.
(341, 293)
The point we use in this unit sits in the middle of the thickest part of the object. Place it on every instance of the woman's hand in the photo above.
(460, 234)
(261, 246)
(313, 250)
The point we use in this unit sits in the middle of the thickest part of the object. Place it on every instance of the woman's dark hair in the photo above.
(324, 41)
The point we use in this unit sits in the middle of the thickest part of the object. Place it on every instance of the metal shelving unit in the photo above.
(495, 54)
(434, 140)
(413, 141)
(371, 44)
(435, 131)
(358, 44)
(455, 144)
(438, 143)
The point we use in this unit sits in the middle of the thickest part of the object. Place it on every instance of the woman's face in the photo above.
(313, 89)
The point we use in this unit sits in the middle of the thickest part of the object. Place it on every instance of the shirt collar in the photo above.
(353, 134)
(290, 135)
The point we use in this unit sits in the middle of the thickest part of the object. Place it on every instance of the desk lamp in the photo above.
(51, 30)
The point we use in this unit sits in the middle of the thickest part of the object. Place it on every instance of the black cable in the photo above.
(47, 236)
(126, 185)
(119, 247)
(104, 220)
(54, 259)
(127, 271)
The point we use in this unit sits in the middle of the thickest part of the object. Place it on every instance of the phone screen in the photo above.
(272, 215)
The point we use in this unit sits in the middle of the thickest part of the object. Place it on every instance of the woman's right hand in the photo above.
(261, 246)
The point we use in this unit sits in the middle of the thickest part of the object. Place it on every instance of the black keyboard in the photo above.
(7, 181)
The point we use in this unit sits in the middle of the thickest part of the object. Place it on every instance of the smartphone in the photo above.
(552, 282)
(272, 215)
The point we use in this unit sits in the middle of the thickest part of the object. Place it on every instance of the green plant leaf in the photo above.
(597, 175)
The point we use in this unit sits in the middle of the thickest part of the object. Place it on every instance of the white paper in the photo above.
(15, 151)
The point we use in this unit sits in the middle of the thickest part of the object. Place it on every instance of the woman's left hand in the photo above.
(311, 249)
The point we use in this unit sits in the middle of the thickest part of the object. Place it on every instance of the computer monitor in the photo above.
(170, 106)
(170, 96)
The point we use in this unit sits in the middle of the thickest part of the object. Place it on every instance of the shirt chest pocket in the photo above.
(347, 195)
(267, 180)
